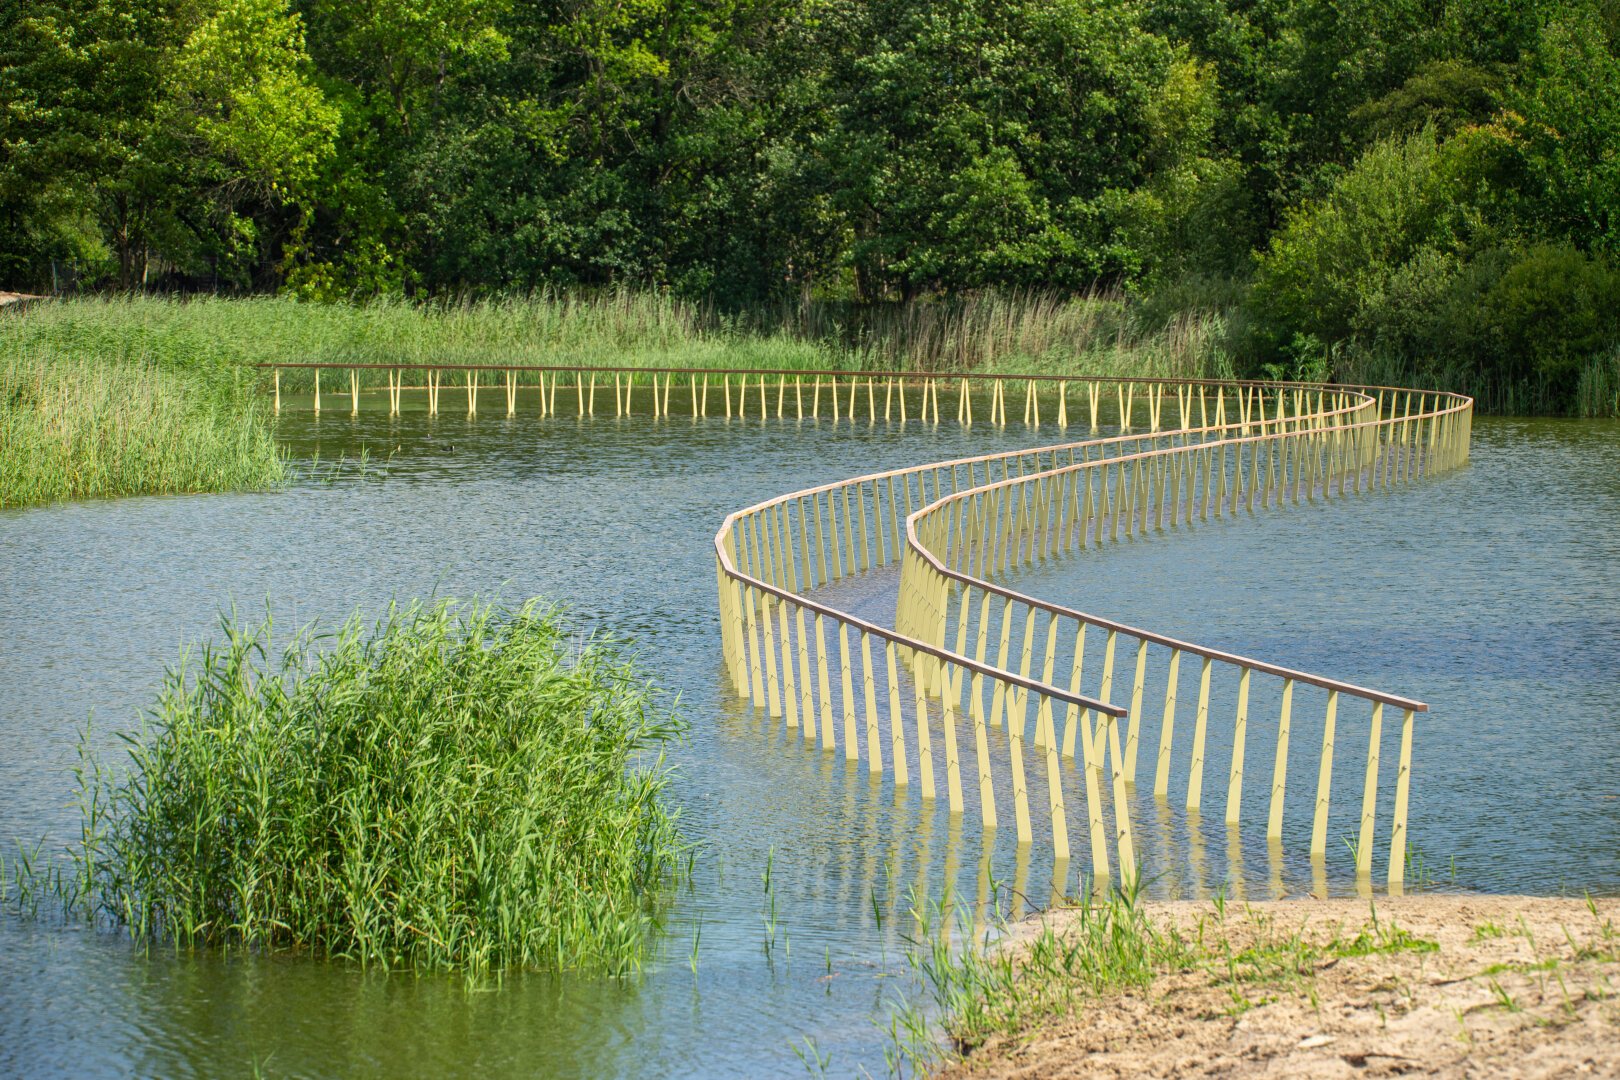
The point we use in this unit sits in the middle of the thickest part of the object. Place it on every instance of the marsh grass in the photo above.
(460, 786)
(624, 328)
(75, 426)
(1046, 332)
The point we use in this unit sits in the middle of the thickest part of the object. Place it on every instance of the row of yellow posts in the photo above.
(954, 526)
(801, 395)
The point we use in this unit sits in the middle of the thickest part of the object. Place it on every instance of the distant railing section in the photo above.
(930, 686)
(784, 393)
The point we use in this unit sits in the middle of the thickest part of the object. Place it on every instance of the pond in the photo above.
(1491, 593)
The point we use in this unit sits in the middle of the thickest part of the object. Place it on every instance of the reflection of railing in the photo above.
(1210, 449)
(958, 541)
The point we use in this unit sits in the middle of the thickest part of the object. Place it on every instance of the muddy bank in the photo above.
(1427, 985)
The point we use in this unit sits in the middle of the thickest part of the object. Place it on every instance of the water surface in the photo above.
(1491, 594)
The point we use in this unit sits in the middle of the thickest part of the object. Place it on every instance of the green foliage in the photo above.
(463, 786)
(242, 77)
(1334, 251)
(761, 153)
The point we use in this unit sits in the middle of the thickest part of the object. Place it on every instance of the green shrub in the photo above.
(462, 787)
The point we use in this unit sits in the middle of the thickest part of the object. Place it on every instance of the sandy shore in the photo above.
(1476, 986)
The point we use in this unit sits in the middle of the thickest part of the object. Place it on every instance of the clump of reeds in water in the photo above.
(463, 786)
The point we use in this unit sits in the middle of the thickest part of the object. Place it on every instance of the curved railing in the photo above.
(955, 543)
(1211, 449)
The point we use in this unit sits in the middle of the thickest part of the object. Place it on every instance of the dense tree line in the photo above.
(1432, 180)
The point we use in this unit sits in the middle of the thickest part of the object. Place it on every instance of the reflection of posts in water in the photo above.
(981, 907)
(1234, 861)
(1195, 854)
(1166, 836)
(1020, 897)
(953, 858)
(1059, 884)
(921, 891)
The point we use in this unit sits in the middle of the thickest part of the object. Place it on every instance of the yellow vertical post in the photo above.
(1134, 729)
(1091, 769)
(824, 684)
(925, 750)
(1324, 779)
(773, 695)
(1015, 745)
(1074, 715)
(756, 671)
(1167, 727)
(953, 772)
(998, 696)
(1279, 771)
(1023, 666)
(354, 392)
(790, 702)
(1369, 793)
(1107, 689)
(317, 389)
(851, 742)
(1122, 811)
(1403, 784)
(806, 700)
(897, 737)
(277, 373)
(1046, 672)
(511, 392)
(1195, 775)
(1240, 726)
(1054, 780)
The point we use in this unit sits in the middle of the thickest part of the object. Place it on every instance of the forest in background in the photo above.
(1420, 192)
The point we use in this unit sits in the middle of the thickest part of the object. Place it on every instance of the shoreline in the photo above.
(1427, 985)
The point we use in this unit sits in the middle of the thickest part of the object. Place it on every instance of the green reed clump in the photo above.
(76, 425)
(462, 786)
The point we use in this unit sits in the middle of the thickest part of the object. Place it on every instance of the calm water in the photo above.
(1492, 594)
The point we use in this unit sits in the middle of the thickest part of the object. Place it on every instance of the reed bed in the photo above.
(1094, 334)
(463, 786)
(74, 426)
(605, 329)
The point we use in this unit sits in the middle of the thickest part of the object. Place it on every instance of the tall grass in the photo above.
(1598, 392)
(1029, 331)
(463, 786)
(604, 329)
(82, 425)
(1095, 334)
